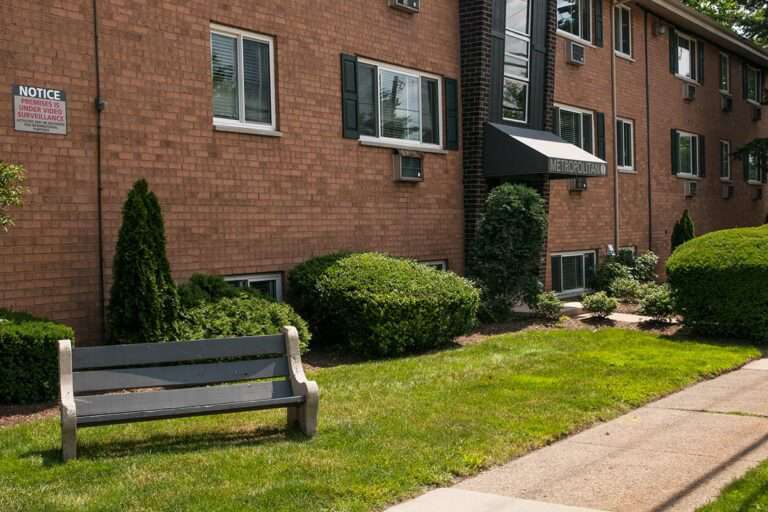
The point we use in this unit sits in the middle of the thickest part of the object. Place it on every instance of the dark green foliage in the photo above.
(547, 307)
(658, 303)
(506, 253)
(683, 231)
(382, 306)
(720, 283)
(244, 315)
(29, 358)
(600, 304)
(747, 17)
(207, 288)
(304, 296)
(609, 271)
(626, 257)
(144, 302)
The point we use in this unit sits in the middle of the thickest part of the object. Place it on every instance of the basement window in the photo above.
(270, 285)
(573, 272)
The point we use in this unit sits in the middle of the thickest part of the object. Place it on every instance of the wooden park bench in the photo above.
(180, 379)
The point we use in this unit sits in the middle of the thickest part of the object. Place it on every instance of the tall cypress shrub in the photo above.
(144, 302)
(684, 231)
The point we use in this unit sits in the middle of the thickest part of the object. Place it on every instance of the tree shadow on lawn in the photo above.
(173, 443)
(682, 334)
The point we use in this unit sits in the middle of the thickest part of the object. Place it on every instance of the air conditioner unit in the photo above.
(757, 113)
(690, 188)
(406, 5)
(726, 191)
(757, 193)
(576, 54)
(577, 184)
(409, 166)
(727, 103)
(689, 92)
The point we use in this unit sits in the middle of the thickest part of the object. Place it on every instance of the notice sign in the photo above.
(39, 110)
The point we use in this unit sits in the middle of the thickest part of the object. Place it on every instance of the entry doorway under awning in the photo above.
(511, 151)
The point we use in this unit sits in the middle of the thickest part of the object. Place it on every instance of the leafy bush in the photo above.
(644, 269)
(207, 288)
(506, 253)
(304, 295)
(658, 303)
(547, 306)
(626, 288)
(382, 306)
(11, 191)
(720, 283)
(243, 315)
(610, 271)
(683, 232)
(626, 257)
(600, 304)
(144, 302)
(29, 358)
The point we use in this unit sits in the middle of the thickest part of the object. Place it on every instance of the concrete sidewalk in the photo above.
(675, 454)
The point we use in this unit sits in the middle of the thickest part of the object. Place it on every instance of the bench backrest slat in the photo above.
(180, 398)
(172, 376)
(157, 353)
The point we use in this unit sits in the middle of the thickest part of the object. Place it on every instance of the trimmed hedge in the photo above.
(720, 283)
(29, 358)
(202, 288)
(244, 315)
(381, 306)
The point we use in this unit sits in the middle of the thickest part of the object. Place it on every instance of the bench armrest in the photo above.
(66, 384)
(299, 383)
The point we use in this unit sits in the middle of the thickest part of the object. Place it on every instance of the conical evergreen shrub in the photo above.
(144, 302)
(684, 231)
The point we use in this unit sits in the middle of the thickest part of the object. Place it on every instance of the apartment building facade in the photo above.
(269, 130)
(656, 91)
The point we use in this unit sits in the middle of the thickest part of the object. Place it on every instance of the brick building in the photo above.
(656, 90)
(232, 110)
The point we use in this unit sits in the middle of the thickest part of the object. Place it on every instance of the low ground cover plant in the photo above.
(600, 304)
(658, 303)
(627, 289)
(29, 358)
(720, 283)
(547, 307)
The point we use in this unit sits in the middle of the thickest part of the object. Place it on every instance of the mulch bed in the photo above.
(15, 414)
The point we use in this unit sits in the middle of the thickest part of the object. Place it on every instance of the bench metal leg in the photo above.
(67, 402)
(304, 417)
(306, 414)
(68, 438)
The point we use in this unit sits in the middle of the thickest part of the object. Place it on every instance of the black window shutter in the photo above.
(619, 143)
(587, 124)
(700, 47)
(556, 121)
(557, 281)
(590, 269)
(587, 28)
(597, 9)
(349, 95)
(451, 114)
(745, 81)
(673, 64)
(745, 166)
(675, 152)
(702, 156)
(600, 121)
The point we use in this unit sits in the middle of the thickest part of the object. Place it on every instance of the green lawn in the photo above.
(748, 494)
(387, 429)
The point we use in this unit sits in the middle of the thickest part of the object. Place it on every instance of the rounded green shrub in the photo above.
(658, 303)
(608, 272)
(547, 306)
(720, 283)
(644, 269)
(600, 304)
(382, 306)
(207, 288)
(627, 289)
(29, 358)
(244, 315)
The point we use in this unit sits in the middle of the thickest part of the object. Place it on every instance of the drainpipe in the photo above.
(100, 105)
(648, 133)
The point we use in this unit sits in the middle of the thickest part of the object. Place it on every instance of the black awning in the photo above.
(514, 151)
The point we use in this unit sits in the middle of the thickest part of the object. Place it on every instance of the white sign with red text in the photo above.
(39, 110)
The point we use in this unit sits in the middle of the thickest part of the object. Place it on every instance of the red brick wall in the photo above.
(233, 203)
(585, 221)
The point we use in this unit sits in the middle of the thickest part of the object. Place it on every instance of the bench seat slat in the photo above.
(156, 353)
(186, 375)
(128, 404)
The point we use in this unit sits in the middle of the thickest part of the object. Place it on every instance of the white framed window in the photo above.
(753, 170)
(687, 58)
(270, 285)
(725, 160)
(242, 69)
(517, 52)
(752, 85)
(625, 144)
(622, 22)
(688, 163)
(577, 126)
(725, 73)
(574, 17)
(437, 264)
(399, 105)
(573, 272)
